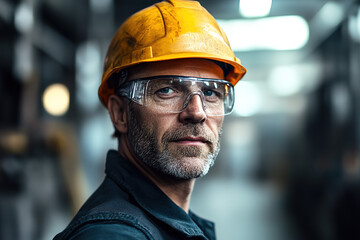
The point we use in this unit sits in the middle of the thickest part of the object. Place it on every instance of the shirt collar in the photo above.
(152, 199)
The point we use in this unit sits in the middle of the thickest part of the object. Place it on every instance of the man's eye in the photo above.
(212, 95)
(166, 90)
(209, 93)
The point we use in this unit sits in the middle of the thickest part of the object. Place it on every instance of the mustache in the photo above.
(179, 133)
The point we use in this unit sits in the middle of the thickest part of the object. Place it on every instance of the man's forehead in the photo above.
(200, 68)
(159, 82)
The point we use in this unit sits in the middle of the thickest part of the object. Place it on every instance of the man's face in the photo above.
(182, 145)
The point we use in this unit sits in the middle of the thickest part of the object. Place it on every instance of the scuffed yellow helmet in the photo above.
(173, 29)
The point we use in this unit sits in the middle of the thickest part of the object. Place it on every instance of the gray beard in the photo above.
(170, 162)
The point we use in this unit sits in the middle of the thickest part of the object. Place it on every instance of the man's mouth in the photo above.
(191, 141)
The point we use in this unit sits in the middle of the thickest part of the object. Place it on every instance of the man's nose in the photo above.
(193, 110)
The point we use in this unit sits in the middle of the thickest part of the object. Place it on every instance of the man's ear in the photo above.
(117, 108)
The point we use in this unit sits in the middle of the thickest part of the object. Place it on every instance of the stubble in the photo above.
(182, 162)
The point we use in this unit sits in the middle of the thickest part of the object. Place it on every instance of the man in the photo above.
(167, 84)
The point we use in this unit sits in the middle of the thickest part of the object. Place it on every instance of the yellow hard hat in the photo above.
(173, 29)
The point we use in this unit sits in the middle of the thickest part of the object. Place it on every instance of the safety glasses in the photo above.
(172, 94)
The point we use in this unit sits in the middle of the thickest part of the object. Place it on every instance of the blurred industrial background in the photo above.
(290, 161)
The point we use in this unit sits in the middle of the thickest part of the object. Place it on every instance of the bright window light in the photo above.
(255, 8)
(285, 81)
(273, 33)
(354, 26)
(56, 99)
(100, 6)
(247, 99)
(333, 9)
(24, 18)
(88, 73)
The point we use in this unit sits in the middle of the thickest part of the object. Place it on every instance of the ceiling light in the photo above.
(273, 33)
(255, 8)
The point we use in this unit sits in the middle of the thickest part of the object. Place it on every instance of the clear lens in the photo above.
(173, 94)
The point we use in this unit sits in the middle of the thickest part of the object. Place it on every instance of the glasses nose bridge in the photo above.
(192, 94)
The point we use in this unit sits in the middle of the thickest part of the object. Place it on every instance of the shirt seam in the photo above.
(108, 217)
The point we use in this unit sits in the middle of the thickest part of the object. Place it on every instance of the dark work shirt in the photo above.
(127, 205)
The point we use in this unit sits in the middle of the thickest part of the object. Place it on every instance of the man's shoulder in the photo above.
(113, 231)
(127, 223)
(110, 212)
